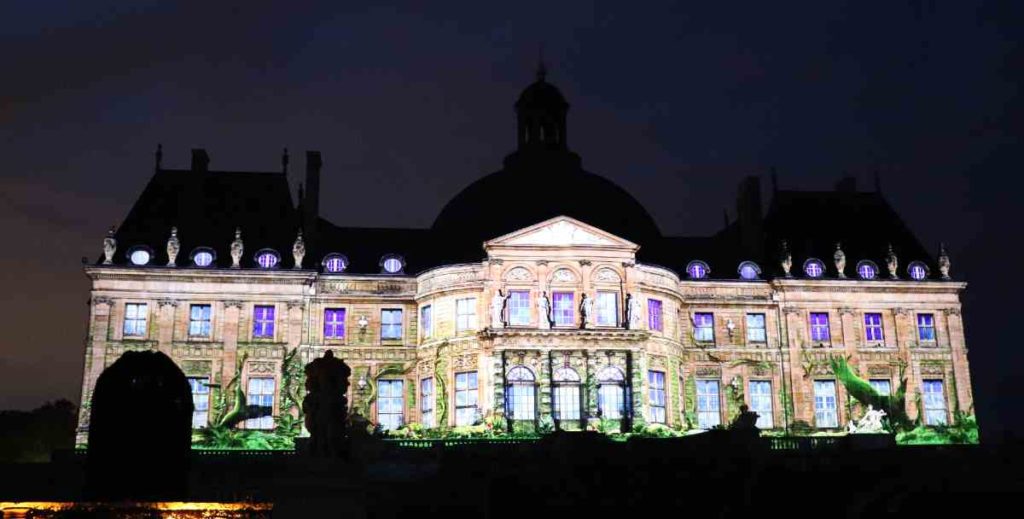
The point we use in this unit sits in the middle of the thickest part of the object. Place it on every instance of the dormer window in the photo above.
(203, 257)
(392, 264)
(267, 258)
(697, 270)
(140, 255)
(918, 270)
(814, 268)
(335, 263)
(867, 269)
(749, 270)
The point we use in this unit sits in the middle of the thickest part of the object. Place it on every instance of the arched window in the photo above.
(203, 256)
(697, 269)
(566, 395)
(335, 263)
(814, 268)
(392, 263)
(520, 394)
(267, 258)
(749, 270)
(867, 269)
(611, 393)
(918, 270)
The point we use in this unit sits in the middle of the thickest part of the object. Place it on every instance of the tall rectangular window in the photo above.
(708, 410)
(200, 401)
(519, 307)
(391, 324)
(566, 399)
(199, 320)
(934, 402)
(427, 321)
(465, 398)
(135, 319)
(756, 330)
(819, 327)
(427, 403)
(825, 413)
(260, 392)
(390, 404)
(704, 327)
(465, 314)
(926, 327)
(654, 321)
(263, 321)
(334, 323)
(563, 311)
(656, 396)
(882, 386)
(607, 308)
(761, 403)
(873, 328)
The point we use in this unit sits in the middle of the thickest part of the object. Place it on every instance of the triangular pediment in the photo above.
(561, 231)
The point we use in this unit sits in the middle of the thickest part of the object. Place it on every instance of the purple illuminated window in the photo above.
(334, 323)
(263, 321)
(334, 264)
(704, 327)
(926, 327)
(866, 270)
(918, 271)
(814, 269)
(819, 327)
(267, 260)
(563, 310)
(654, 315)
(873, 327)
(697, 270)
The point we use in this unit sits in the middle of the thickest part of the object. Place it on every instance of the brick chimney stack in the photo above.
(311, 200)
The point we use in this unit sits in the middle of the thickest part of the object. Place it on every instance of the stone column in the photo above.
(796, 380)
(232, 312)
(95, 355)
(165, 325)
(961, 368)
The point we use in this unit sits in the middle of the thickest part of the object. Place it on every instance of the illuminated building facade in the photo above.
(575, 311)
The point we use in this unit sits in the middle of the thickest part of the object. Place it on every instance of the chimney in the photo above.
(748, 216)
(847, 185)
(200, 160)
(311, 198)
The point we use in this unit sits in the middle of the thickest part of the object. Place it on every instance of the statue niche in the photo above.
(325, 405)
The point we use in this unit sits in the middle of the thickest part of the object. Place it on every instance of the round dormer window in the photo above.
(267, 258)
(749, 270)
(139, 256)
(335, 263)
(814, 268)
(918, 270)
(697, 270)
(392, 264)
(867, 270)
(203, 257)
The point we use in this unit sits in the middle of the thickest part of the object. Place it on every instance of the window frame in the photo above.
(562, 391)
(934, 405)
(655, 315)
(763, 328)
(335, 324)
(657, 407)
(469, 392)
(427, 403)
(931, 326)
(260, 325)
(815, 329)
(258, 423)
(708, 326)
(136, 332)
(875, 382)
(197, 397)
(517, 389)
(877, 329)
(762, 403)
(384, 402)
(823, 410)
(192, 321)
(607, 295)
(400, 325)
(466, 321)
(427, 321)
(557, 312)
(703, 412)
(518, 310)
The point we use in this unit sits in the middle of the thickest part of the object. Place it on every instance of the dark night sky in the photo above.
(411, 103)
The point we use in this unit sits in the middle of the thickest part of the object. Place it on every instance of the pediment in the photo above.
(561, 231)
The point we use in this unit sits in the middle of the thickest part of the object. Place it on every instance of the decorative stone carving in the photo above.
(173, 247)
(953, 311)
(298, 250)
(901, 310)
(561, 233)
(943, 261)
(518, 274)
(790, 310)
(633, 309)
(109, 247)
(628, 264)
(840, 260)
(607, 275)
(233, 303)
(564, 276)
(541, 262)
(786, 259)
(262, 367)
(871, 423)
(497, 310)
(168, 302)
(584, 263)
(586, 311)
(237, 248)
(102, 300)
(891, 263)
(543, 311)
(295, 303)
(845, 310)
(708, 371)
(496, 261)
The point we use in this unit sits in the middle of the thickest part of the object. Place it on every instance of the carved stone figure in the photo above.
(109, 247)
(236, 249)
(943, 261)
(870, 423)
(785, 259)
(497, 310)
(298, 250)
(891, 263)
(173, 247)
(840, 258)
(745, 422)
(325, 405)
(633, 316)
(586, 312)
(543, 311)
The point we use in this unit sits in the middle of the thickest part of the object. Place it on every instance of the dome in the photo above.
(541, 95)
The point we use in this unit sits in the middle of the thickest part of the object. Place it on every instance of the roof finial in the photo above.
(284, 161)
(159, 155)
(542, 71)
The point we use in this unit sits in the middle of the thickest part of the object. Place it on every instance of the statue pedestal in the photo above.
(866, 441)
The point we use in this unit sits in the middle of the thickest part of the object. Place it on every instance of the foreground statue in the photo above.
(325, 405)
(870, 423)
